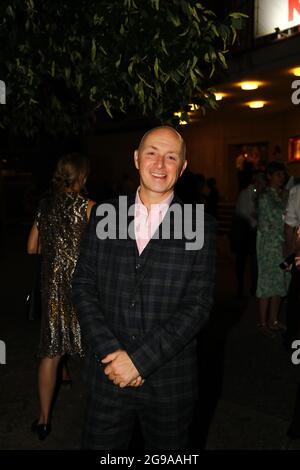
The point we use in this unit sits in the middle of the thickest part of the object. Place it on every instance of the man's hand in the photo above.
(121, 370)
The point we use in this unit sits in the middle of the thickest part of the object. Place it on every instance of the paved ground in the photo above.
(248, 381)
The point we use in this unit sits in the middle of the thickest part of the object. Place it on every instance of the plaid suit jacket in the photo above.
(151, 305)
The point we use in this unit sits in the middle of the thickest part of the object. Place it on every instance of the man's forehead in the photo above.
(164, 137)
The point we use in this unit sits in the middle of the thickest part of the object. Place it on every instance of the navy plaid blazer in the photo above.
(151, 305)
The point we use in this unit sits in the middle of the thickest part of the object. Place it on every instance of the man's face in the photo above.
(159, 161)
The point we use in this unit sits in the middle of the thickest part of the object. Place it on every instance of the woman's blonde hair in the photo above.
(70, 169)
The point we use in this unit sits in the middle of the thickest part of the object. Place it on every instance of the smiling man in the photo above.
(141, 303)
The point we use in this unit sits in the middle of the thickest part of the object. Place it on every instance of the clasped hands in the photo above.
(121, 370)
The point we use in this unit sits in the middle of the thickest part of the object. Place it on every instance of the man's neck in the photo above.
(148, 197)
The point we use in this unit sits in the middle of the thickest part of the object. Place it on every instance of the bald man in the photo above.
(141, 300)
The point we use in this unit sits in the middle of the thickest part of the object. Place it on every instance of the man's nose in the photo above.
(160, 161)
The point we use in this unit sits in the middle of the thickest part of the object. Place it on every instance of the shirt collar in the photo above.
(157, 207)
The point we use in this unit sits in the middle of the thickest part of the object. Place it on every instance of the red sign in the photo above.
(293, 5)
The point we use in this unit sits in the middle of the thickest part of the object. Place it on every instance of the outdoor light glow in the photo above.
(178, 113)
(296, 71)
(194, 107)
(249, 85)
(219, 96)
(183, 123)
(256, 104)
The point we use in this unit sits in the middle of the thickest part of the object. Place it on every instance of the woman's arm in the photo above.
(89, 208)
(33, 245)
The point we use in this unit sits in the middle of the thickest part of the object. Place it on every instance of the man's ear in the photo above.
(136, 159)
(183, 167)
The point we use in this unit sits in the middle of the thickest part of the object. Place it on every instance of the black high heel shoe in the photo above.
(42, 430)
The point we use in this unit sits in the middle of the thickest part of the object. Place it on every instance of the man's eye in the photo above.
(171, 157)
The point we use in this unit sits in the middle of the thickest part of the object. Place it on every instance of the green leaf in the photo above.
(144, 81)
(237, 15)
(223, 60)
(193, 77)
(93, 50)
(10, 11)
(214, 29)
(156, 4)
(118, 61)
(122, 105)
(53, 68)
(163, 46)
(184, 32)
(234, 35)
(174, 19)
(130, 67)
(106, 105)
(195, 60)
(156, 67)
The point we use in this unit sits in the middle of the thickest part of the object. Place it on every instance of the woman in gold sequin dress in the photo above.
(61, 219)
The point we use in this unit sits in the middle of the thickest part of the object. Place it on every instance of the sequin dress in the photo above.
(61, 220)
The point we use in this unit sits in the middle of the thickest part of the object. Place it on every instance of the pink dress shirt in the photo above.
(146, 224)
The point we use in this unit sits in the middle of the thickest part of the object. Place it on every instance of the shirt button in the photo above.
(138, 266)
(133, 303)
(133, 337)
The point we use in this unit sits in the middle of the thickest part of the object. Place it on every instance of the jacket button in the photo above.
(137, 266)
(133, 337)
(133, 303)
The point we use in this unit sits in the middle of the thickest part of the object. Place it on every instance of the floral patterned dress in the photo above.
(272, 281)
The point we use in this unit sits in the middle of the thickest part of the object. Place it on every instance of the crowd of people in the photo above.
(264, 230)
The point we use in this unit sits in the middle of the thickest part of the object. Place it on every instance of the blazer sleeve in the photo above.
(158, 346)
(85, 295)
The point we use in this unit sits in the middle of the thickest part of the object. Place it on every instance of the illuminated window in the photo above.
(294, 149)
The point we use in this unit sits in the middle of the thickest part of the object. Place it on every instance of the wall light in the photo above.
(296, 71)
(249, 85)
(256, 104)
(219, 96)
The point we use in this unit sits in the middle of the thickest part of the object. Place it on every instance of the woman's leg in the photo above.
(263, 304)
(47, 381)
(274, 312)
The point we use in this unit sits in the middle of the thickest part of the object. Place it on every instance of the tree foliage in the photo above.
(63, 59)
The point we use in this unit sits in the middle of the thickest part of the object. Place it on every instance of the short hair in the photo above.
(170, 128)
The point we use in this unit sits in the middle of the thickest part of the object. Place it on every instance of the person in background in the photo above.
(292, 223)
(56, 233)
(212, 198)
(243, 235)
(273, 282)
